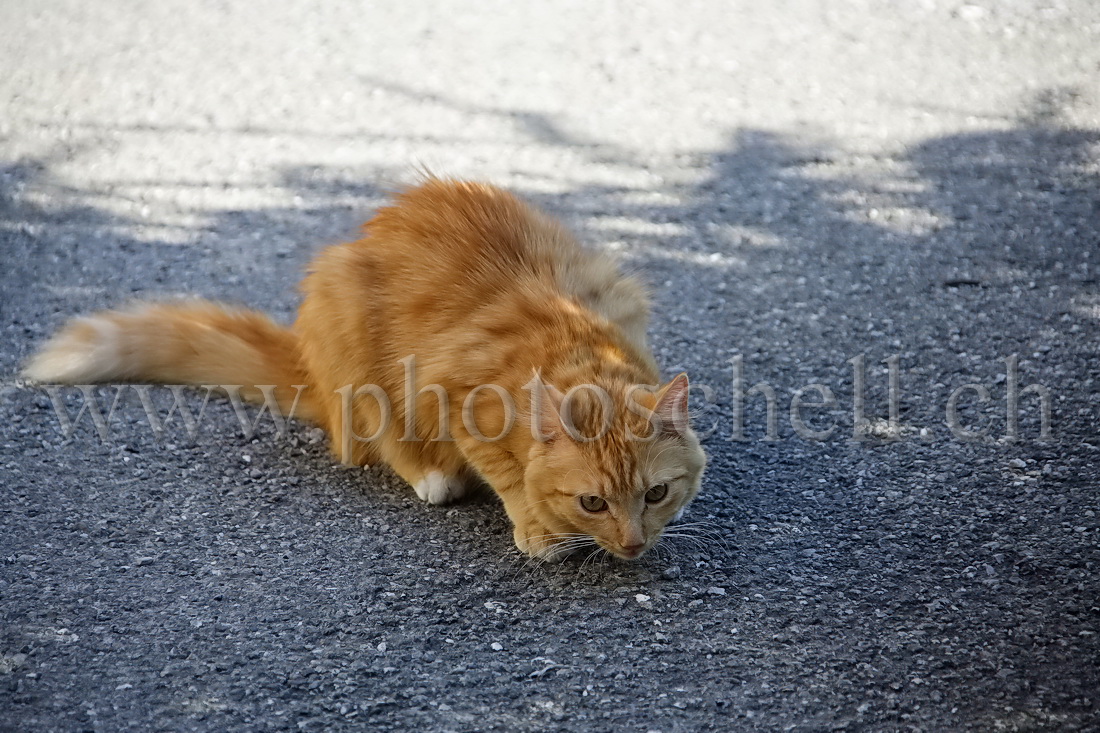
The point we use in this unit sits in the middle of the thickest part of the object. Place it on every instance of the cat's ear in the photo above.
(672, 406)
(546, 401)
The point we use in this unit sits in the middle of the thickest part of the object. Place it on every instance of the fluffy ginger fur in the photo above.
(458, 285)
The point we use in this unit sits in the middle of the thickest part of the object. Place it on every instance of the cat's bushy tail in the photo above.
(194, 342)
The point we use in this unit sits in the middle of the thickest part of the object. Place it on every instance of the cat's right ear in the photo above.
(546, 401)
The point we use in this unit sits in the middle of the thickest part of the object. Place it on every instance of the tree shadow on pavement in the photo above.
(951, 254)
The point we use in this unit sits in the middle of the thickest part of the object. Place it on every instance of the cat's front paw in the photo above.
(439, 488)
(539, 542)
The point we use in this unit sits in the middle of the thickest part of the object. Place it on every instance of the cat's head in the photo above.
(613, 462)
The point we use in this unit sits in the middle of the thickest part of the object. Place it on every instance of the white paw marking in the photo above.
(439, 488)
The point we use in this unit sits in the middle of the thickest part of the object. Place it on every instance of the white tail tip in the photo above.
(87, 350)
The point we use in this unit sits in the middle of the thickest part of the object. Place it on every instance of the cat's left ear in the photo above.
(672, 406)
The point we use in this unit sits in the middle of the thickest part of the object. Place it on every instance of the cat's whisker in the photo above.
(665, 547)
(570, 545)
(695, 536)
(539, 560)
(672, 549)
(693, 541)
(555, 546)
(697, 531)
(557, 535)
(705, 525)
(696, 542)
(560, 550)
(594, 553)
(702, 526)
(701, 540)
(528, 560)
(706, 536)
(703, 531)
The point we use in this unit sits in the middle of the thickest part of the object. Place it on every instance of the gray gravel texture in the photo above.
(801, 184)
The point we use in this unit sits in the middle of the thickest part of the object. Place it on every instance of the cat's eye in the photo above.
(593, 504)
(655, 494)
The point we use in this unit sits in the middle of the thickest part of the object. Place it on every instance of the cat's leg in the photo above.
(537, 541)
(531, 535)
(437, 487)
(436, 470)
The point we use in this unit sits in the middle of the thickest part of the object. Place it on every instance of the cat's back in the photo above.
(462, 228)
(448, 250)
(479, 243)
(440, 250)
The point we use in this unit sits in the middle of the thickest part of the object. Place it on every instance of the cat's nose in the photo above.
(634, 549)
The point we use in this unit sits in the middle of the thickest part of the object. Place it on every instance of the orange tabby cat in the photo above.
(526, 355)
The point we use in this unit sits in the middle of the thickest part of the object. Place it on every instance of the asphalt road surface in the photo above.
(849, 197)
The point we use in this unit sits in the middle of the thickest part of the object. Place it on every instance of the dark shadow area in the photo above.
(952, 254)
